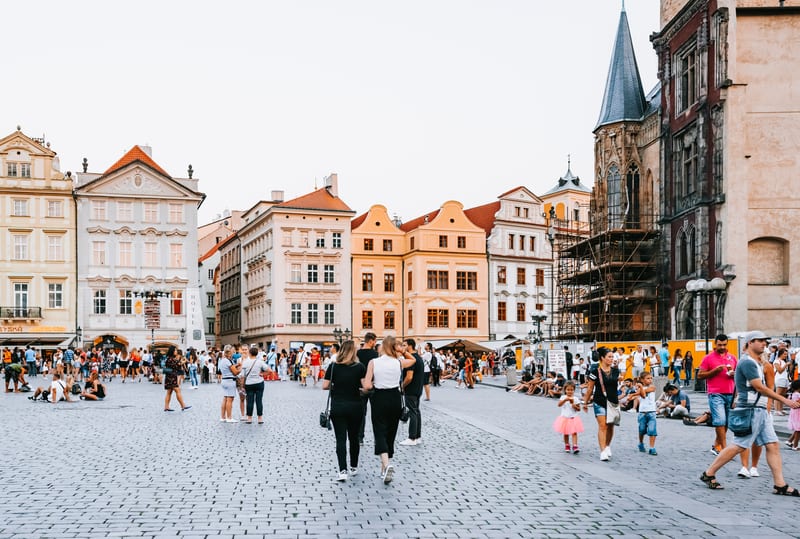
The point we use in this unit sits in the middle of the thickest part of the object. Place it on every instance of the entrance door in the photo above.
(20, 300)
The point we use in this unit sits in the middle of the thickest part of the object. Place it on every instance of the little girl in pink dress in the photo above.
(568, 422)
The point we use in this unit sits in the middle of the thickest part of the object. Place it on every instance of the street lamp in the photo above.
(183, 335)
(538, 316)
(341, 336)
(706, 289)
(551, 237)
(79, 336)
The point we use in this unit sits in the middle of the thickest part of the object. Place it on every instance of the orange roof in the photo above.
(136, 154)
(415, 223)
(483, 216)
(512, 190)
(214, 249)
(321, 199)
(355, 223)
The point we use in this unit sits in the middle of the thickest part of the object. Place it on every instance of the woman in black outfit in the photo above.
(601, 388)
(344, 380)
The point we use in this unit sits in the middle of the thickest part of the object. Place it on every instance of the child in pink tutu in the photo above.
(569, 423)
(794, 416)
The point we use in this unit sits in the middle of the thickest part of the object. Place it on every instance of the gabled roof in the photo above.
(623, 98)
(355, 223)
(568, 181)
(483, 216)
(321, 199)
(213, 250)
(419, 221)
(136, 154)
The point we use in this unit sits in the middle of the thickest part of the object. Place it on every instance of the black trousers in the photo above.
(414, 418)
(385, 419)
(346, 417)
(254, 394)
(435, 373)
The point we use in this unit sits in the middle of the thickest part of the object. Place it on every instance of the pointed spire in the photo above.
(623, 98)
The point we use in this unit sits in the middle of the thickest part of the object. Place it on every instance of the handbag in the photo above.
(740, 420)
(325, 416)
(613, 414)
(403, 407)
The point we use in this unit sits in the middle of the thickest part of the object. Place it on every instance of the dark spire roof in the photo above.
(568, 181)
(624, 98)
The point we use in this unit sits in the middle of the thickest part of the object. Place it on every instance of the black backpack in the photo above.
(434, 364)
(75, 389)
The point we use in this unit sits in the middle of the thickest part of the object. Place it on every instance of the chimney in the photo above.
(146, 148)
(277, 196)
(332, 184)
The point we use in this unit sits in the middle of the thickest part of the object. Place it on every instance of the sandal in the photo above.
(712, 482)
(784, 491)
(689, 422)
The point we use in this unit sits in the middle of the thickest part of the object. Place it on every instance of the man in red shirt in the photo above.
(717, 370)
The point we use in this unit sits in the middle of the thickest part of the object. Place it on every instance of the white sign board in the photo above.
(557, 361)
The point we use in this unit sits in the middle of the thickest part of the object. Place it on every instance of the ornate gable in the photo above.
(136, 181)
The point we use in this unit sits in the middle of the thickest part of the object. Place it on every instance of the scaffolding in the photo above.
(608, 280)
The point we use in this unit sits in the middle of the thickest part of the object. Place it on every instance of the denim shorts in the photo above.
(647, 423)
(719, 404)
(599, 410)
(763, 430)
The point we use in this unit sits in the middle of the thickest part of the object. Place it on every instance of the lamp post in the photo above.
(551, 237)
(152, 310)
(183, 335)
(341, 336)
(152, 339)
(79, 336)
(538, 316)
(706, 289)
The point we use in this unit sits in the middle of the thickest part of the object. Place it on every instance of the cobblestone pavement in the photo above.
(489, 466)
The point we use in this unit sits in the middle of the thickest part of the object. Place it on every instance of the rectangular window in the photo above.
(125, 253)
(411, 243)
(176, 255)
(466, 280)
(442, 242)
(25, 170)
(11, 168)
(297, 273)
(150, 212)
(501, 311)
(297, 313)
(55, 248)
(124, 211)
(388, 282)
(462, 242)
(539, 278)
(329, 276)
(501, 275)
(21, 299)
(410, 318)
(210, 329)
(520, 312)
(209, 299)
(55, 295)
(313, 273)
(690, 168)
(686, 79)
(540, 306)
(150, 254)
(99, 210)
(21, 207)
(368, 244)
(55, 208)
(211, 274)
(176, 302)
(525, 212)
(438, 279)
(532, 244)
(20, 247)
(438, 318)
(320, 242)
(337, 240)
(366, 282)
(175, 212)
(511, 241)
(99, 303)
(520, 275)
(410, 280)
(366, 319)
(99, 253)
(313, 313)
(329, 318)
(576, 214)
(466, 318)
(303, 238)
(387, 245)
(125, 302)
(287, 238)
(521, 242)
(517, 211)
(388, 320)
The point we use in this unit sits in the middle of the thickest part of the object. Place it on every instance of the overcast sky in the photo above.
(412, 103)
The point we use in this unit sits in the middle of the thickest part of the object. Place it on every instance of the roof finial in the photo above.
(623, 5)
(569, 162)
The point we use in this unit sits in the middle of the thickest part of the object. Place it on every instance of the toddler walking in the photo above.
(647, 411)
(569, 423)
(794, 416)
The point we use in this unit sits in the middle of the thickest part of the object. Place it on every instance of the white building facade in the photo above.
(137, 236)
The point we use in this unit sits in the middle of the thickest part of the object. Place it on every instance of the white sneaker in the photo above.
(408, 441)
(608, 451)
(418, 441)
(754, 472)
(604, 454)
(342, 476)
(388, 474)
(231, 420)
(744, 473)
(353, 471)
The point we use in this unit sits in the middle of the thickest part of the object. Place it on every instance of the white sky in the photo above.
(412, 103)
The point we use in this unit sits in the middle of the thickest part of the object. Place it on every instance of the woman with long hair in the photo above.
(383, 374)
(344, 378)
(252, 367)
(172, 367)
(688, 365)
(227, 371)
(601, 390)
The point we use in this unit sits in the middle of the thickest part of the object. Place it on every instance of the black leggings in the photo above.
(346, 417)
(255, 395)
(385, 419)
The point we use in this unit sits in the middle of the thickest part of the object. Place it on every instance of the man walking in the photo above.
(568, 356)
(30, 359)
(752, 392)
(717, 369)
(412, 384)
(366, 354)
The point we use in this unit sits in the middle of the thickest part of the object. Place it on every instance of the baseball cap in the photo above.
(753, 335)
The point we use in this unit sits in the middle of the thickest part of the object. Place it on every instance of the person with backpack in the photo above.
(436, 366)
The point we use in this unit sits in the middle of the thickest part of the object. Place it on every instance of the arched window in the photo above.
(633, 217)
(768, 261)
(691, 241)
(718, 246)
(685, 252)
(680, 256)
(614, 197)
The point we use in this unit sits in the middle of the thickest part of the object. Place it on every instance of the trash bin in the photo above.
(511, 375)
(699, 385)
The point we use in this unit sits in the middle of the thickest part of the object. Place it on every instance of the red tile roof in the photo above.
(483, 216)
(355, 223)
(321, 199)
(136, 154)
(416, 223)
(214, 249)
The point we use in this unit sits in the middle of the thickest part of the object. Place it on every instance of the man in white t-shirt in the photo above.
(55, 393)
(638, 361)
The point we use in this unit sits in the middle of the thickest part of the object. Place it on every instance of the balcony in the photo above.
(21, 313)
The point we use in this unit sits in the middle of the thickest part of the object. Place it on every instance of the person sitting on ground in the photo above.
(678, 405)
(93, 390)
(528, 382)
(56, 392)
(628, 396)
(557, 387)
(702, 419)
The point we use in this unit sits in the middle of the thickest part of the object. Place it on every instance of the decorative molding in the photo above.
(98, 230)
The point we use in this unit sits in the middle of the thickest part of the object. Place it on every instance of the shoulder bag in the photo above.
(403, 407)
(325, 417)
(613, 415)
(740, 419)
